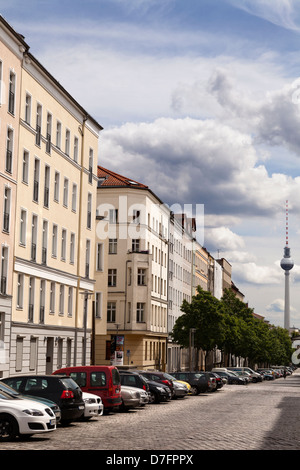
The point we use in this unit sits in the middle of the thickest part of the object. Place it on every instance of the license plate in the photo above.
(52, 422)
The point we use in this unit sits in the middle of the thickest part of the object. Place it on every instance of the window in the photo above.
(74, 197)
(4, 270)
(52, 297)
(112, 246)
(9, 149)
(47, 186)
(25, 168)
(66, 192)
(23, 220)
(70, 301)
(112, 277)
(111, 312)
(72, 248)
(136, 216)
(54, 240)
(91, 159)
(48, 132)
(98, 304)
(61, 299)
(31, 299)
(113, 216)
(140, 311)
(141, 277)
(76, 148)
(56, 186)
(45, 242)
(135, 245)
(67, 142)
(58, 134)
(36, 180)
(6, 211)
(38, 124)
(42, 301)
(89, 211)
(99, 259)
(63, 244)
(28, 108)
(12, 92)
(20, 291)
(87, 258)
(33, 237)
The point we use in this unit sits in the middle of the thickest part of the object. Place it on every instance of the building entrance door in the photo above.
(49, 355)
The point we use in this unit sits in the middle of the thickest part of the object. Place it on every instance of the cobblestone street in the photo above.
(263, 416)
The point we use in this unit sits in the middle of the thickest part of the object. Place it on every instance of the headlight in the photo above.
(89, 400)
(161, 389)
(33, 412)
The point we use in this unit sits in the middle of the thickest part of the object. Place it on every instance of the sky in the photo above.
(199, 100)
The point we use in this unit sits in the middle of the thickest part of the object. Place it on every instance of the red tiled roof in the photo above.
(114, 179)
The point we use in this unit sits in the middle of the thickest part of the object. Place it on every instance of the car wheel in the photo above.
(194, 391)
(9, 428)
(153, 398)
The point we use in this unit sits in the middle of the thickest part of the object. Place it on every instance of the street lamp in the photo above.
(86, 295)
(191, 345)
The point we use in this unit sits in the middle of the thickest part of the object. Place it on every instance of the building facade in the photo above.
(54, 237)
(137, 273)
(11, 55)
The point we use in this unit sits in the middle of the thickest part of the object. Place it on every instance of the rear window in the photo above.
(69, 383)
(116, 377)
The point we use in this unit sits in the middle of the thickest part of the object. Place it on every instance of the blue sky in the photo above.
(199, 99)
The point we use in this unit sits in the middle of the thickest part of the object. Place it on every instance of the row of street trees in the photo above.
(230, 326)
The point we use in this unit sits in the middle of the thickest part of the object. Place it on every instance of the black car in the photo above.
(157, 392)
(232, 379)
(159, 377)
(11, 391)
(199, 381)
(62, 390)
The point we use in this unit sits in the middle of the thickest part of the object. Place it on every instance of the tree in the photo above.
(204, 314)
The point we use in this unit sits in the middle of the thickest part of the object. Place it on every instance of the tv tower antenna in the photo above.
(287, 264)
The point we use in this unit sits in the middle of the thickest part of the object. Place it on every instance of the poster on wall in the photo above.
(117, 350)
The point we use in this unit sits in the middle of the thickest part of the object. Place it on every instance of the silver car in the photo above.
(131, 397)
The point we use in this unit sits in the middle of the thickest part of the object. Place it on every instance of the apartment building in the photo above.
(54, 237)
(181, 255)
(11, 54)
(137, 225)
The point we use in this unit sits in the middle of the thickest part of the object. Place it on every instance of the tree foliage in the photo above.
(229, 324)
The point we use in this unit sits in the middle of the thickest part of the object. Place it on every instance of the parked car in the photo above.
(20, 417)
(255, 376)
(159, 377)
(60, 389)
(93, 406)
(54, 407)
(131, 398)
(219, 381)
(231, 377)
(267, 374)
(200, 381)
(157, 392)
(103, 381)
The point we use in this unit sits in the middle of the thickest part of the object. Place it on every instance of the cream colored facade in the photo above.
(181, 246)
(137, 233)
(54, 245)
(10, 82)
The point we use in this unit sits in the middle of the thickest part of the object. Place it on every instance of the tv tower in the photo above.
(287, 264)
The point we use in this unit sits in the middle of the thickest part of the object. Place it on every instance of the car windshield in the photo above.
(7, 389)
(7, 396)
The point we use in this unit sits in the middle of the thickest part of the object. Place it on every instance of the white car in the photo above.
(20, 416)
(93, 406)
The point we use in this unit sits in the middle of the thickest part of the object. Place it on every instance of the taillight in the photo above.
(67, 394)
(144, 387)
(167, 382)
(110, 387)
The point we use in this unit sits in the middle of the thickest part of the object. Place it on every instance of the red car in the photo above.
(103, 381)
